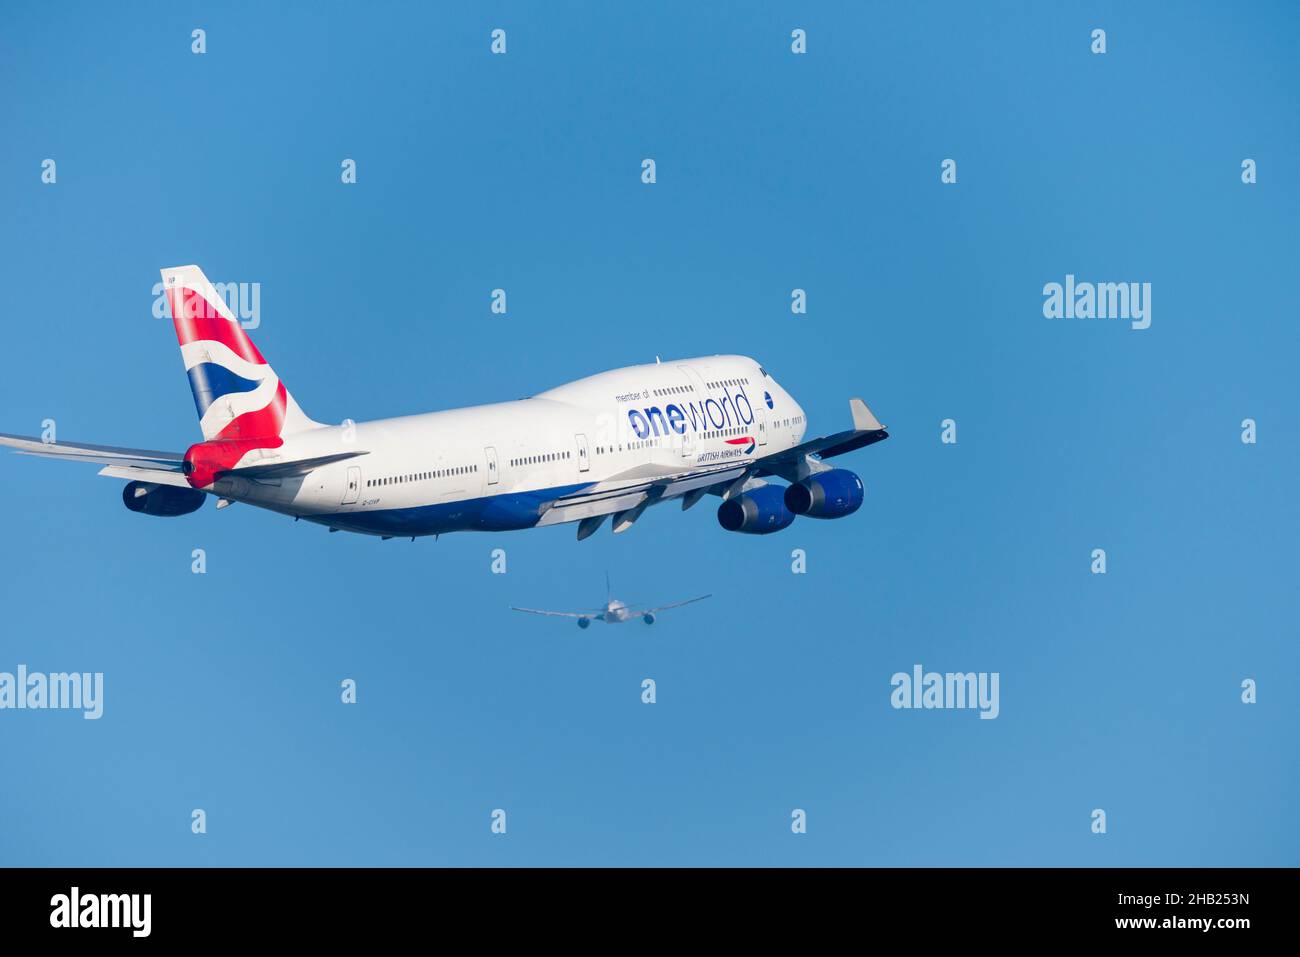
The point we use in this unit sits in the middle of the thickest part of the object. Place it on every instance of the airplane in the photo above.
(606, 447)
(615, 612)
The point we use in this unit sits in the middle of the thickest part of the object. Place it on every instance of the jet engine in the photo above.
(648, 618)
(832, 494)
(757, 512)
(151, 498)
(584, 622)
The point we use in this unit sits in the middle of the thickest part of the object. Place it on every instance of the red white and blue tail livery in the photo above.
(604, 447)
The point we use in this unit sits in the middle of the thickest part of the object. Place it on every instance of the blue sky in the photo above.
(775, 172)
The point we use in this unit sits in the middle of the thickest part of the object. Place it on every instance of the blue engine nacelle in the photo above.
(150, 498)
(832, 494)
(584, 622)
(648, 618)
(759, 512)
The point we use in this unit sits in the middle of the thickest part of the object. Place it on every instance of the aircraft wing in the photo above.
(147, 465)
(626, 498)
(866, 430)
(676, 604)
(560, 614)
(110, 455)
(629, 494)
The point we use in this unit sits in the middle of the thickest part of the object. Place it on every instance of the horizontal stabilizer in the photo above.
(157, 476)
(289, 469)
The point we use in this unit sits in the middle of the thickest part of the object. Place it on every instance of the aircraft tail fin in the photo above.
(236, 392)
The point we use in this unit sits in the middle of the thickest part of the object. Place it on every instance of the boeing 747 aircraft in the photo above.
(604, 447)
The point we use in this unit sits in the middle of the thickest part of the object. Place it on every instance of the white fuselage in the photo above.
(496, 467)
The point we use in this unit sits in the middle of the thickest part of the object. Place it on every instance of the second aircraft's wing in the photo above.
(558, 614)
(676, 604)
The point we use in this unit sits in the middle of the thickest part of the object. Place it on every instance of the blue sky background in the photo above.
(775, 171)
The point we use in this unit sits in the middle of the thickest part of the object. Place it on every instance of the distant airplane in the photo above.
(606, 447)
(615, 612)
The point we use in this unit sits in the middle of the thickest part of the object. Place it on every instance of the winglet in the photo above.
(863, 420)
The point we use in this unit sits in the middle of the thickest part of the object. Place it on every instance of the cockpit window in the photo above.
(766, 374)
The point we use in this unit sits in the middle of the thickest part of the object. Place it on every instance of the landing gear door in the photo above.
(584, 458)
(353, 488)
(493, 472)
